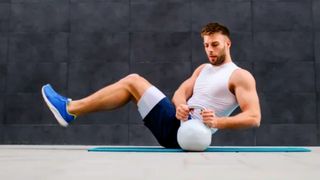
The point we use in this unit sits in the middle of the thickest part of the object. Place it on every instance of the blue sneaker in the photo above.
(58, 105)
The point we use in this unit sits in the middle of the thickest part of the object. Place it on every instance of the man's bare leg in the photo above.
(110, 97)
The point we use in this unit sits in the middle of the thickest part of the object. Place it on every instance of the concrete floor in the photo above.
(74, 162)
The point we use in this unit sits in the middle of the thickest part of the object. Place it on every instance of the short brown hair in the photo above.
(212, 28)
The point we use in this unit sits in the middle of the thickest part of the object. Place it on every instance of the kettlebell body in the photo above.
(194, 135)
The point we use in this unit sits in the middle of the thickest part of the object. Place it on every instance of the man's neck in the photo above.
(227, 60)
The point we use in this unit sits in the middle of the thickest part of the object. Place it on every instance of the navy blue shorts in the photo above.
(163, 124)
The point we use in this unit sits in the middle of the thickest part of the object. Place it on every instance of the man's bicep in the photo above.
(247, 99)
(247, 95)
(187, 86)
(249, 104)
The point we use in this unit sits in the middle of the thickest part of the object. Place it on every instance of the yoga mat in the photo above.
(210, 149)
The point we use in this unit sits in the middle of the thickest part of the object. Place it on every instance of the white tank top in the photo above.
(211, 90)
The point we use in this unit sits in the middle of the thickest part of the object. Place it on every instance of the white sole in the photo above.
(55, 112)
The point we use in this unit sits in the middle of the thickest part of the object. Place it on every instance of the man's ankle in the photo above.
(71, 109)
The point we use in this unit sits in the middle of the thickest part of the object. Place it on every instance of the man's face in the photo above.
(215, 46)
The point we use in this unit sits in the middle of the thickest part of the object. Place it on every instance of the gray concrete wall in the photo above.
(80, 46)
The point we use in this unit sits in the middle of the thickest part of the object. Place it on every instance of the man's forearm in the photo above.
(183, 93)
(179, 97)
(241, 120)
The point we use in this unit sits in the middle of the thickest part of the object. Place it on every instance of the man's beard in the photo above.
(220, 59)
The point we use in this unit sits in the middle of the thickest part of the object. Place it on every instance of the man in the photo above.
(220, 86)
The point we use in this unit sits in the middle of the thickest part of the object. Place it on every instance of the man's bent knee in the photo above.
(134, 79)
(136, 84)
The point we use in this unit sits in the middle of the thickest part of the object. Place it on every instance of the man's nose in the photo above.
(210, 49)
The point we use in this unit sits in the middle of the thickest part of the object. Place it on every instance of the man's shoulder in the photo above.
(203, 65)
(242, 72)
(200, 67)
(241, 75)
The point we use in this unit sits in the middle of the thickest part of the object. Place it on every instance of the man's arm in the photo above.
(183, 93)
(245, 91)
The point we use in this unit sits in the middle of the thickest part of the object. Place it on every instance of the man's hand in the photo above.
(209, 118)
(182, 112)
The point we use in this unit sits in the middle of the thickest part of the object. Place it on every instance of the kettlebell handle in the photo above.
(196, 106)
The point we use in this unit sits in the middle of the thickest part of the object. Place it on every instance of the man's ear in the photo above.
(228, 42)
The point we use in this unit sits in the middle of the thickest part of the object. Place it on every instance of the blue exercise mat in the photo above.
(210, 149)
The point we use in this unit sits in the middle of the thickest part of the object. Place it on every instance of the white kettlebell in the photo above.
(193, 134)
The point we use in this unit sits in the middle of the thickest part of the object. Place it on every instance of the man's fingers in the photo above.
(208, 115)
(182, 115)
(183, 112)
(206, 111)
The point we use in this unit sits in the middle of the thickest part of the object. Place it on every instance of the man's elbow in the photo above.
(256, 119)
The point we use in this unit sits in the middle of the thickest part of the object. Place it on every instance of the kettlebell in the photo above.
(193, 134)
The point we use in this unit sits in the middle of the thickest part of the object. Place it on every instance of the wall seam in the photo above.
(8, 34)
(130, 69)
(252, 62)
(315, 70)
